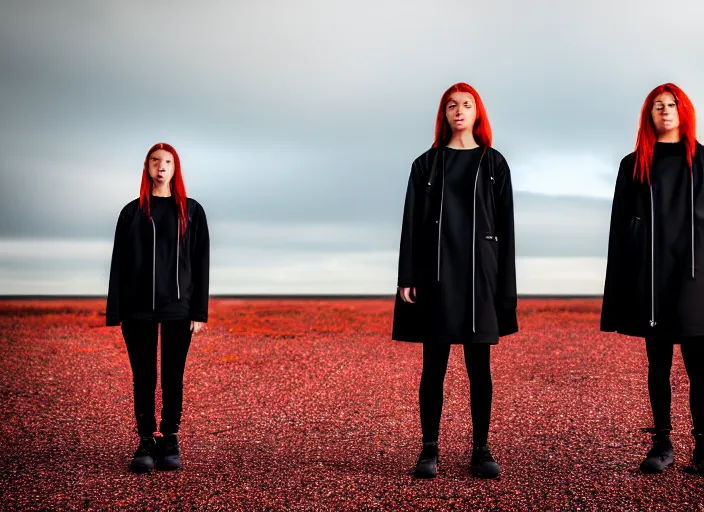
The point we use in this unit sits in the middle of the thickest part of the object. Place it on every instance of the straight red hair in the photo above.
(481, 129)
(645, 143)
(176, 185)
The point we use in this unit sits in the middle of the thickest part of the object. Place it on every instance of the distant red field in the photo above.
(309, 405)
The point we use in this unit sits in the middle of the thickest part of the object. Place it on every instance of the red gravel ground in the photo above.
(308, 405)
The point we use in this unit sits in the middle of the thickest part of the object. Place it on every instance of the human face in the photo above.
(461, 111)
(161, 167)
(665, 115)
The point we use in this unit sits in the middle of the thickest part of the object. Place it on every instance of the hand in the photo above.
(197, 326)
(406, 294)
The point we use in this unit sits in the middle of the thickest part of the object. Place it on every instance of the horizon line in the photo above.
(279, 296)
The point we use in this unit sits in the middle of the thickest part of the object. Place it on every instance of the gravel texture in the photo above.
(308, 405)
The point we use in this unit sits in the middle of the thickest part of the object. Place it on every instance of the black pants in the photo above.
(141, 338)
(660, 354)
(476, 358)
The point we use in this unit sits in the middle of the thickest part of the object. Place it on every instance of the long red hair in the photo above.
(481, 129)
(645, 143)
(178, 189)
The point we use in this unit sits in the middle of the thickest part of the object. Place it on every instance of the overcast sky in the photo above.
(297, 122)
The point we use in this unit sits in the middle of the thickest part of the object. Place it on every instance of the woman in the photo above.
(159, 275)
(653, 286)
(457, 276)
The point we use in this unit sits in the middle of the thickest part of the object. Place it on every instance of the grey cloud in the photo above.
(312, 112)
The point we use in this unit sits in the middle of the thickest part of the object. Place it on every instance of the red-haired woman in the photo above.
(653, 286)
(457, 273)
(159, 275)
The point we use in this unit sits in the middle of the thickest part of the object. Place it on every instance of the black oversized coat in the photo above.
(633, 305)
(489, 310)
(131, 290)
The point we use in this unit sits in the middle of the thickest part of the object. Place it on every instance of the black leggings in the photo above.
(660, 354)
(141, 338)
(476, 358)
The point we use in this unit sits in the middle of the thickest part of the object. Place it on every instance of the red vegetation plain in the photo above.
(308, 405)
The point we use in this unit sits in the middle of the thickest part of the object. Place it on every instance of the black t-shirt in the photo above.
(165, 216)
(670, 178)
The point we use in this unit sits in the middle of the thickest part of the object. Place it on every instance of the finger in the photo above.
(402, 293)
(414, 295)
(192, 327)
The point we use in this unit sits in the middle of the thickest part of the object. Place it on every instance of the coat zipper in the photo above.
(178, 247)
(691, 198)
(474, 252)
(153, 267)
(442, 197)
(652, 259)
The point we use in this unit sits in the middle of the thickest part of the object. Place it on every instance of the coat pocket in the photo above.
(489, 263)
(635, 241)
(486, 283)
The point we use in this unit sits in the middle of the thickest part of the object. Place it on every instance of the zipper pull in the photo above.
(653, 323)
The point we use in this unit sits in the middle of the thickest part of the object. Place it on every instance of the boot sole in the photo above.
(655, 471)
(486, 476)
(141, 468)
(425, 474)
(161, 466)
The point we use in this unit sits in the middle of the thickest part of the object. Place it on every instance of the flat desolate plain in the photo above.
(309, 405)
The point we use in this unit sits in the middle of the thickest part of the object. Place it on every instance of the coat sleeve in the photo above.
(112, 308)
(405, 256)
(200, 267)
(507, 297)
(609, 306)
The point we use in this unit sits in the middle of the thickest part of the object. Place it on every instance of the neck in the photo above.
(462, 140)
(161, 191)
(671, 136)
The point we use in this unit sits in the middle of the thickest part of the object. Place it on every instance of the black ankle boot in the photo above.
(143, 460)
(427, 465)
(697, 465)
(168, 453)
(661, 455)
(483, 464)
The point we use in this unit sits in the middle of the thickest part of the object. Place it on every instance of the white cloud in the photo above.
(55, 250)
(81, 268)
(560, 276)
(577, 174)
